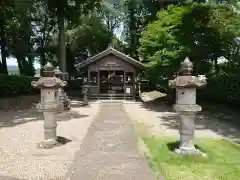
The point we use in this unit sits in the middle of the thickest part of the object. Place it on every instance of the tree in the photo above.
(91, 36)
(20, 44)
(6, 8)
(111, 12)
(138, 13)
(70, 10)
(202, 31)
(10, 11)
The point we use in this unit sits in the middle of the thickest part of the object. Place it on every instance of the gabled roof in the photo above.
(111, 51)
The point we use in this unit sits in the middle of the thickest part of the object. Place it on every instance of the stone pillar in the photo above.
(85, 94)
(50, 105)
(186, 85)
(50, 126)
(187, 128)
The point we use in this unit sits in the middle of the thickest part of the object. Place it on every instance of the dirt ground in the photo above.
(21, 128)
(155, 113)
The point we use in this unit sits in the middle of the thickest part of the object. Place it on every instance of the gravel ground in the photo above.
(21, 130)
(162, 121)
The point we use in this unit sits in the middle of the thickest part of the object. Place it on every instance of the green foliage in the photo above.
(137, 15)
(222, 89)
(111, 13)
(202, 31)
(16, 32)
(90, 34)
(222, 162)
(15, 85)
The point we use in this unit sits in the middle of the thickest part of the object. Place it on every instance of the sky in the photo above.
(13, 62)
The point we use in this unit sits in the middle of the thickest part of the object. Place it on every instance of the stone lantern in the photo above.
(65, 102)
(49, 86)
(85, 89)
(186, 85)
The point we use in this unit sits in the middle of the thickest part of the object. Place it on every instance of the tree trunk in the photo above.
(42, 45)
(3, 69)
(216, 67)
(62, 49)
(20, 65)
(42, 51)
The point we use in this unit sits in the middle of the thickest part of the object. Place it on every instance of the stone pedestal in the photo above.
(50, 130)
(50, 125)
(187, 129)
(85, 100)
(85, 95)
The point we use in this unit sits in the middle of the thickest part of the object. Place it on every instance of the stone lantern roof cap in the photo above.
(185, 79)
(49, 80)
(57, 71)
(186, 67)
(48, 70)
(48, 67)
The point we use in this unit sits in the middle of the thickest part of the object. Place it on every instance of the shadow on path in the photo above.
(205, 120)
(14, 117)
(9, 178)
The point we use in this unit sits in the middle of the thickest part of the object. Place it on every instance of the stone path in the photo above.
(109, 150)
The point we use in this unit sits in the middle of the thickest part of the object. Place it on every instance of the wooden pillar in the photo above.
(134, 84)
(98, 81)
(89, 76)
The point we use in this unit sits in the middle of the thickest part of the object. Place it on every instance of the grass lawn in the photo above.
(222, 163)
(154, 94)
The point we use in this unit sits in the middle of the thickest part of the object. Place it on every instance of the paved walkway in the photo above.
(109, 150)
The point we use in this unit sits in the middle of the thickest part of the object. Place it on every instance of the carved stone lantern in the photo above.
(85, 89)
(186, 85)
(65, 102)
(49, 104)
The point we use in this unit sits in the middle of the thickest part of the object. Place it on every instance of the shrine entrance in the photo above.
(112, 82)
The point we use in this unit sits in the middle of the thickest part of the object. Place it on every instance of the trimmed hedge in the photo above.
(73, 85)
(15, 85)
(222, 89)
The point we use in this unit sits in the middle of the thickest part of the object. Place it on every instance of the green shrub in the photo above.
(73, 85)
(224, 89)
(15, 85)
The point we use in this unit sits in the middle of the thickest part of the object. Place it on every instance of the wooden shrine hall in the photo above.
(111, 74)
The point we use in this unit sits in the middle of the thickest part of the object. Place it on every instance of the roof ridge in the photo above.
(107, 52)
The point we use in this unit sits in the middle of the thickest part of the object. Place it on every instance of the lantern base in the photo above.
(190, 152)
(47, 144)
(85, 100)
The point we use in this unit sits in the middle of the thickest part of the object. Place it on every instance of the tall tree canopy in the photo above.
(202, 31)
